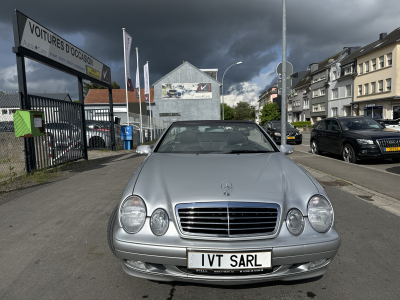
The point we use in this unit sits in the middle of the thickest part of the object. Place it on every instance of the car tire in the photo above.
(314, 148)
(110, 228)
(396, 159)
(96, 143)
(349, 154)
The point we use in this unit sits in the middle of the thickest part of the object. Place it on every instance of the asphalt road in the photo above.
(53, 246)
(381, 175)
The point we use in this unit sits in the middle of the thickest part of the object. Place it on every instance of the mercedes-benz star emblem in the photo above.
(227, 187)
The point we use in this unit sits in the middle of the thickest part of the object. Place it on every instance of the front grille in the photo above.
(389, 145)
(228, 219)
(291, 134)
(228, 272)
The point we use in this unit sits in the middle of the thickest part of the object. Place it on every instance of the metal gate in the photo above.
(64, 132)
(98, 128)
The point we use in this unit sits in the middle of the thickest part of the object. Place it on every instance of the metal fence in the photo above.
(98, 128)
(63, 128)
(148, 122)
(12, 156)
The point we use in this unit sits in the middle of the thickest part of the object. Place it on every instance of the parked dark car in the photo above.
(355, 138)
(274, 130)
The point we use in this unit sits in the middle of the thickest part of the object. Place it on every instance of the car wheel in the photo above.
(97, 142)
(314, 148)
(396, 159)
(348, 154)
(110, 228)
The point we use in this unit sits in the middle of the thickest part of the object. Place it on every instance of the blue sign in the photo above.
(126, 133)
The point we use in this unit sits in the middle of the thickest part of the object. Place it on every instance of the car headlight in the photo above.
(295, 221)
(320, 213)
(133, 214)
(365, 142)
(159, 222)
(277, 134)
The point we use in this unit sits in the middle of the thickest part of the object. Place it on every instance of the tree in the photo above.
(269, 112)
(87, 86)
(229, 113)
(243, 111)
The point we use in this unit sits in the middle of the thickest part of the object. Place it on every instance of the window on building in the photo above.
(322, 75)
(290, 106)
(359, 90)
(373, 87)
(322, 92)
(389, 59)
(381, 62)
(335, 94)
(10, 111)
(348, 90)
(366, 89)
(380, 86)
(388, 84)
(306, 104)
(315, 93)
(334, 111)
(315, 107)
(290, 118)
(334, 75)
(348, 70)
(374, 64)
(360, 68)
(366, 66)
(4, 111)
(322, 107)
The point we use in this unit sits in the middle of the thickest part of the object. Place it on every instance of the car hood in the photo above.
(169, 179)
(375, 133)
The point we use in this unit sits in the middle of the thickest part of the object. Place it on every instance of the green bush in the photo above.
(302, 124)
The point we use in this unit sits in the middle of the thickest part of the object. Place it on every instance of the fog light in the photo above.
(364, 151)
(317, 263)
(136, 264)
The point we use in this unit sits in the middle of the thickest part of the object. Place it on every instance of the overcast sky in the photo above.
(206, 33)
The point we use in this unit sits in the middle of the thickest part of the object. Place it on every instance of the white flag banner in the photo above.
(146, 83)
(137, 83)
(128, 44)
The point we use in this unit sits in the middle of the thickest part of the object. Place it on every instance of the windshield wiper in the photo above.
(247, 151)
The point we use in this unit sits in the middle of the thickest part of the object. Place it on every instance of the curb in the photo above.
(387, 203)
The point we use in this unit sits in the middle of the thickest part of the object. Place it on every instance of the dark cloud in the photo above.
(208, 34)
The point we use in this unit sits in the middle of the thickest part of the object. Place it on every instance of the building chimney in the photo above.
(382, 36)
(313, 67)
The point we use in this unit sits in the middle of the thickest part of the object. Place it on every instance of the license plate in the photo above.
(229, 261)
(392, 149)
(291, 138)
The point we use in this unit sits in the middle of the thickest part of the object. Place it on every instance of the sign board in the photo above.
(289, 69)
(288, 86)
(126, 133)
(186, 91)
(44, 42)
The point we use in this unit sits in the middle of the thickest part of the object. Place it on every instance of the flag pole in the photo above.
(151, 113)
(126, 81)
(140, 103)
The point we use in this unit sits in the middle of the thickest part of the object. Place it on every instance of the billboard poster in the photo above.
(128, 44)
(146, 83)
(44, 42)
(186, 91)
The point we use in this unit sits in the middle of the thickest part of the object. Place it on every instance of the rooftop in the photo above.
(96, 96)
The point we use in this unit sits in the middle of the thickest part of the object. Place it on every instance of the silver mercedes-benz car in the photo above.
(222, 207)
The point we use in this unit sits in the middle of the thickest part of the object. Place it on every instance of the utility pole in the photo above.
(284, 76)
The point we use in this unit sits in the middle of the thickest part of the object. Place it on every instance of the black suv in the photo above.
(292, 134)
(355, 138)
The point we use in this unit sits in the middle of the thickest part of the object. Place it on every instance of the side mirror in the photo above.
(287, 149)
(383, 124)
(143, 149)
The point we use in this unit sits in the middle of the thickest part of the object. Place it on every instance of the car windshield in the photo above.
(215, 138)
(277, 126)
(359, 124)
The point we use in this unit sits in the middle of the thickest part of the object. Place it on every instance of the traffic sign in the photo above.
(288, 86)
(289, 69)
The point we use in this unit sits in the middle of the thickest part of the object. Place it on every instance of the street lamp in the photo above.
(238, 63)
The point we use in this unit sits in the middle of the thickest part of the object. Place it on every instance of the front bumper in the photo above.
(297, 139)
(373, 151)
(164, 258)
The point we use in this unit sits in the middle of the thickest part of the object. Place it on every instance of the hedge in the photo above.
(302, 124)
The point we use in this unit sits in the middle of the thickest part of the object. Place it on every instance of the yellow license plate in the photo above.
(392, 149)
(290, 138)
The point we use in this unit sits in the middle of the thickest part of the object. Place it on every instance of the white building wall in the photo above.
(343, 101)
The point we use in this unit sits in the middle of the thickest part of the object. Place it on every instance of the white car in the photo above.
(391, 124)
